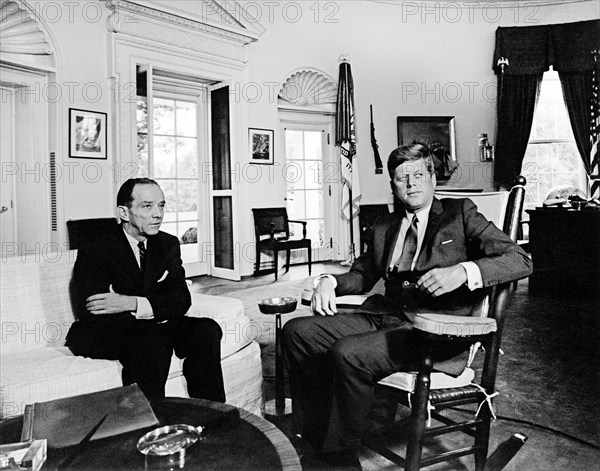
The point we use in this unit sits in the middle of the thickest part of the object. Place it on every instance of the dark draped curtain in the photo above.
(530, 51)
(515, 116)
(577, 91)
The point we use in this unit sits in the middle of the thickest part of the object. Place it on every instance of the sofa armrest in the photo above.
(219, 308)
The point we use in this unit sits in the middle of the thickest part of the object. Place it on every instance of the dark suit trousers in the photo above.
(145, 348)
(334, 364)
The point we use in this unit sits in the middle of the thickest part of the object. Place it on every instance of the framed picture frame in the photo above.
(437, 133)
(87, 134)
(261, 146)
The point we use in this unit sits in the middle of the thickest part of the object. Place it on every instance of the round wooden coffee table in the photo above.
(232, 439)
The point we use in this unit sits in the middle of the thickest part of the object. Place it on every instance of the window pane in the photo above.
(187, 203)
(187, 163)
(315, 232)
(186, 119)
(169, 189)
(164, 157)
(142, 115)
(164, 116)
(294, 175)
(170, 228)
(314, 204)
(313, 174)
(312, 145)
(142, 155)
(294, 145)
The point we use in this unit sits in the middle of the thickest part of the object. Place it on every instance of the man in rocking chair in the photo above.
(434, 255)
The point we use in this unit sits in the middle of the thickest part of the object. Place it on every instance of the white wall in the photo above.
(80, 36)
(419, 58)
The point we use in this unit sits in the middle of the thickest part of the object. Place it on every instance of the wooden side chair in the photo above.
(272, 231)
(430, 393)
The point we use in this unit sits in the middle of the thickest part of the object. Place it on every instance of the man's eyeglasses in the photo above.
(417, 176)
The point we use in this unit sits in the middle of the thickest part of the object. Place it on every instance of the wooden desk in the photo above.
(565, 249)
(234, 439)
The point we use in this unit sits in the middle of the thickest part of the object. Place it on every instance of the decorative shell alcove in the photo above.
(308, 88)
(20, 32)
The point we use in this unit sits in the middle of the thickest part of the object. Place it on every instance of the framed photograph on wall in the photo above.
(87, 134)
(437, 132)
(261, 146)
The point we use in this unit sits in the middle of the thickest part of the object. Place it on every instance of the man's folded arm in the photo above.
(173, 299)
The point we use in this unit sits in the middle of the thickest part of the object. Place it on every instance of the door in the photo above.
(8, 229)
(312, 180)
(24, 159)
(170, 143)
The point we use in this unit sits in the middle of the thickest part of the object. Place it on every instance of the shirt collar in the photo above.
(132, 241)
(421, 214)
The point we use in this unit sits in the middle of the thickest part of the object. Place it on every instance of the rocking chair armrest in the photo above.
(453, 326)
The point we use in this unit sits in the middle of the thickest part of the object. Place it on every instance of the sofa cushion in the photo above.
(35, 300)
(44, 374)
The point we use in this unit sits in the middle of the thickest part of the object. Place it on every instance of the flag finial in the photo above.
(344, 58)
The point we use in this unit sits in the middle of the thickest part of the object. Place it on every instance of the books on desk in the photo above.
(67, 421)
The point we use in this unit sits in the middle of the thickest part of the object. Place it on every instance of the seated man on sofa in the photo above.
(434, 255)
(133, 299)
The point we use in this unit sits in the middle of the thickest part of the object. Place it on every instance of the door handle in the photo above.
(3, 209)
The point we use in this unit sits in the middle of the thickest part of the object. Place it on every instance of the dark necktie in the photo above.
(142, 255)
(409, 248)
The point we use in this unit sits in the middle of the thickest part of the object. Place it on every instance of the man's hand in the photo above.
(442, 280)
(110, 303)
(323, 300)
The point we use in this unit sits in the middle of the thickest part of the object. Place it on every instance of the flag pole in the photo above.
(351, 258)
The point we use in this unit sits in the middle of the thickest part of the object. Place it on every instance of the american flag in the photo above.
(595, 130)
(346, 139)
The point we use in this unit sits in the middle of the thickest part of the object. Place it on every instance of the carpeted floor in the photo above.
(549, 375)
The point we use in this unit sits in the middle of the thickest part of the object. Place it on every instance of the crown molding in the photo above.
(483, 3)
(147, 18)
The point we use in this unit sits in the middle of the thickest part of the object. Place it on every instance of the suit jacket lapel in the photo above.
(391, 239)
(152, 260)
(435, 217)
(124, 252)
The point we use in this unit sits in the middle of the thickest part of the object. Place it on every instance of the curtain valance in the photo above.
(532, 50)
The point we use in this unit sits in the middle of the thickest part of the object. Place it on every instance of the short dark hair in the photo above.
(410, 153)
(124, 196)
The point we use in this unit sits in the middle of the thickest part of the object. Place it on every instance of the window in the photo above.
(174, 161)
(552, 161)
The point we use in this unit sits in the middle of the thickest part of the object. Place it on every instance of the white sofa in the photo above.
(35, 315)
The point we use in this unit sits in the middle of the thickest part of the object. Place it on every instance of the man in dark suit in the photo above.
(133, 298)
(436, 262)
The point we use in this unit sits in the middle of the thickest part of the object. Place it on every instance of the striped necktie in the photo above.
(409, 248)
(142, 249)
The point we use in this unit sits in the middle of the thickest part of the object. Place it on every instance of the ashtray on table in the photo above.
(169, 439)
(278, 305)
